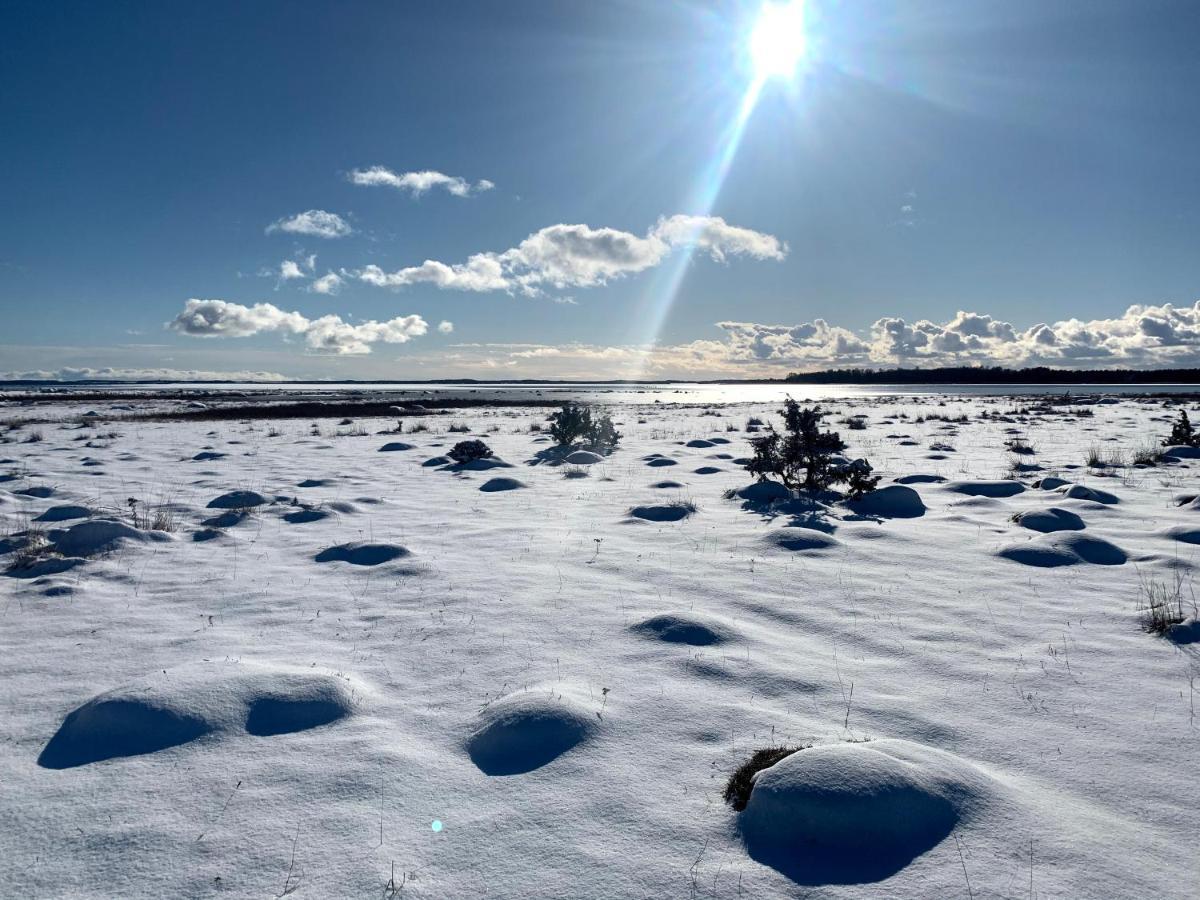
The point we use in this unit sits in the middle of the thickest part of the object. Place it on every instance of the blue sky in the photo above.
(939, 182)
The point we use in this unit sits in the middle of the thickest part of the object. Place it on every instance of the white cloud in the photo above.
(418, 183)
(563, 256)
(220, 318)
(110, 373)
(313, 222)
(1144, 336)
(445, 327)
(329, 283)
(289, 269)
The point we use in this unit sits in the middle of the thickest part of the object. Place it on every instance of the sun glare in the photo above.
(777, 42)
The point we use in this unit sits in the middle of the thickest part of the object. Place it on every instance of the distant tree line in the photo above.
(996, 375)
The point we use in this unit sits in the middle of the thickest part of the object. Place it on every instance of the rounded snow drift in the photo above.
(362, 554)
(583, 458)
(683, 628)
(1183, 534)
(1050, 519)
(1051, 483)
(857, 813)
(523, 732)
(238, 500)
(63, 513)
(919, 478)
(308, 705)
(894, 501)
(764, 492)
(1079, 492)
(395, 447)
(492, 485)
(986, 488)
(675, 512)
(1065, 550)
(108, 727)
(659, 461)
(800, 539)
(96, 536)
(302, 516)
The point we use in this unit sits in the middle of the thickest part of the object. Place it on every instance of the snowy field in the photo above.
(364, 675)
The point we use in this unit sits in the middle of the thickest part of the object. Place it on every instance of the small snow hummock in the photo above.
(362, 554)
(523, 732)
(858, 812)
(684, 628)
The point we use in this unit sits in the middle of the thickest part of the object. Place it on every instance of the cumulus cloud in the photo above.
(445, 327)
(329, 283)
(220, 318)
(418, 183)
(1144, 336)
(314, 223)
(110, 373)
(562, 256)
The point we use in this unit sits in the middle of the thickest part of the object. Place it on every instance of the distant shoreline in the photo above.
(1039, 376)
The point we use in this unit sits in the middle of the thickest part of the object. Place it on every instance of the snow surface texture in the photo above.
(329, 647)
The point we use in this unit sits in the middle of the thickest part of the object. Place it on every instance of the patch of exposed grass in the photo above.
(741, 782)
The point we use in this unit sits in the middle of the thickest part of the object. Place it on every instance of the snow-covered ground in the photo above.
(366, 676)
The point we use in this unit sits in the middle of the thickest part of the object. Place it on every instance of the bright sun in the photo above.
(777, 42)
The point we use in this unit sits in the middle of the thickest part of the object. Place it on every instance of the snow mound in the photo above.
(63, 513)
(192, 701)
(301, 516)
(99, 536)
(482, 465)
(107, 727)
(1079, 492)
(799, 539)
(208, 455)
(297, 704)
(1051, 483)
(675, 512)
(858, 813)
(1049, 519)
(1182, 451)
(38, 491)
(493, 485)
(583, 458)
(895, 501)
(1065, 550)
(986, 488)
(764, 492)
(666, 484)
(54, 565)
(314, 482)
(227, 519)
(684, 628)
(700, 444)
(1182, 533)
(1185, 632)
(362, 554)
(659, 461)
(238, 500)
(919, 478)
(523, 732)
(395, 446)
(708, 470)
(436, 461)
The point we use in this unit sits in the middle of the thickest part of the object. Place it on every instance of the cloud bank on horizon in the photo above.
(1145, 336)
